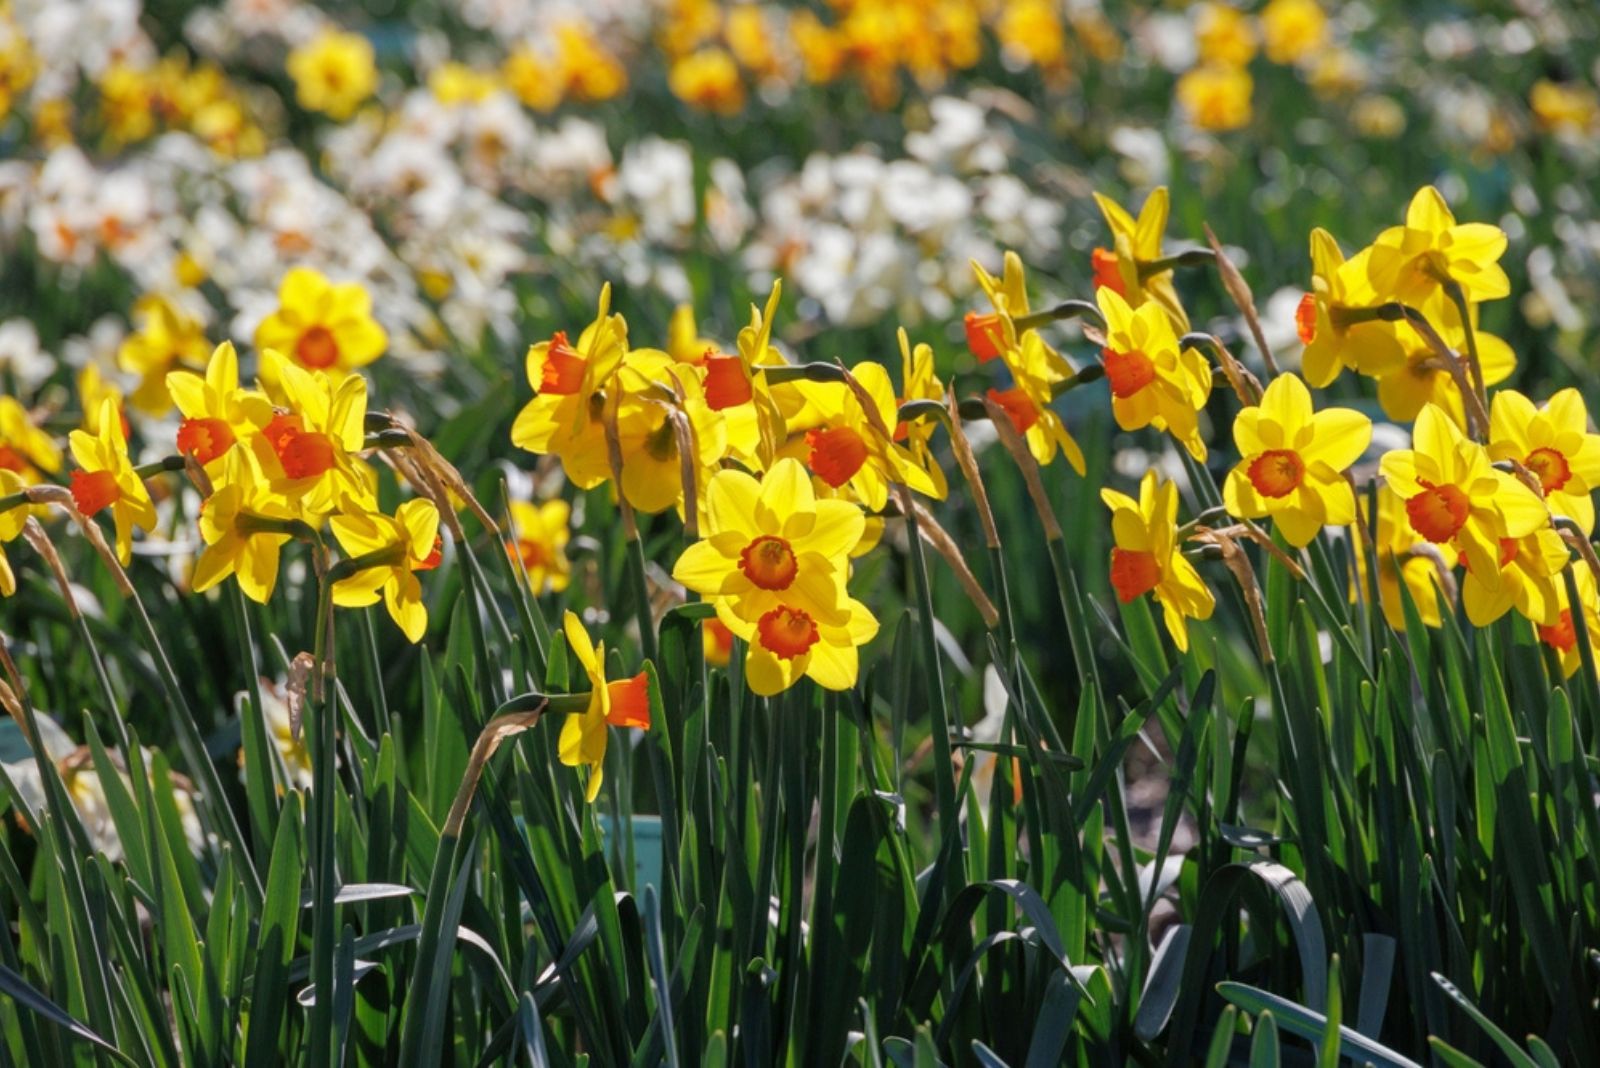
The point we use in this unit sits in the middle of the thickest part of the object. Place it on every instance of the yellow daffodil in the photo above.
(647, 433)
(1125, 268)
(1292, 462)
(1293, 30)
(93, 388)
(11, 522)
(1224, 34)
(1329, 318)
(105, 478)
(1147, 559)
(684, 342)
(991, 333)
(25, 450)
(1554, 443)
(216, 412)
(1411, 262)
(308, 448)
(1454, 494)
(708, 79)
(1153, 382)
(541, 543)
(716, 642)
(1562, 635)
(1406, 556)
(920, 382)
(1216, 96)
(565, 415)
(334, 73)
(1420, 379)
(1027, 403)
(456, 83)
(740, 394)
(622, 703)
(772, 557)
(321, 325)
(393, 549)
(1527, 577)
(167, 339)
(244, 525)
(850, 448)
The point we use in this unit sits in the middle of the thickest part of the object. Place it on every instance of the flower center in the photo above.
(630, 702)
(983, 335)
(1305, 319)
(1551, 467)
(787, 632)
(1562, 636)
(1128, 372)
(1133, 573)
(1018, 406)
(1438, 512)
(317, 349)
(531, 553)
(434, 558)
(303, 453)
(837, 453)
(1508, 552)
(94, 490)
(1106, 272)
(1277, 472)
(11, 460)
(727, 384)
(769, 563)
(204, 439)
(562, 373)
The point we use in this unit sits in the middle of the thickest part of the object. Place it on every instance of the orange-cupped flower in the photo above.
(1016, 403)
(1551, 467)
(769, 562)
(1439, 512)
(787, 632)
(1106, 271)
(1277, 472)
(1133, 573)
(1305, 318)
(205, 439)
(837, 453)
(727, 382)
(1128, 372)
(1561, 637)
(317, 349)
(94, 490)
(983, 335)
(563, 368)
(630, 702)
(434, 558)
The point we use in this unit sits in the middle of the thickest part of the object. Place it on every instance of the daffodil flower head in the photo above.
(753, 410)
(1146, 557)
(334, 73)
(216, 412)
(991, 333)
(11, 523)
(540, 546)
(773, 559)
(393, 548)
(622, 703)
(1527, 578)
(105, 478)
(1136, 243)
(309, 448)
(565, 416)
(1331, 340)
(321, 325)
(1555, 444)
(1412, 261)
(1404, 556)
(1153, 382)
(1421, 379)
(648, 407)
(1562, 635)
(25, 450)
(1028, 403)
(1292, 461)
(1453, 494)
(920, 381)
(167, 338)
(243, 526)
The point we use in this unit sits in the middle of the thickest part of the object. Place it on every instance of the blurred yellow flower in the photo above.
(167, 339)
(1216, 97)
(1224, 34)
(1564, 107)
(334, 73)
(321, 325)
(393, 549)
(105, 478)
(708, 79)
(25, 450)
(1147, 558)
(1292, 462)
(541, 543)
(11, 522)
(457, 83)
(620, 703)
(1293, 30)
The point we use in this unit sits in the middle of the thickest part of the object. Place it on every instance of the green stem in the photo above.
(1453, 290)
(641, 598)
(260, 782)
(324, 879)
(943, 766)
(1194, 257)
(156, 467)
(1067, 309)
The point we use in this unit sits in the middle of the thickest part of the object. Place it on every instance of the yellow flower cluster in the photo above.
(1215, 94)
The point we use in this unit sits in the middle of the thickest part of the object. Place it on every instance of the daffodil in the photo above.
(1293, 30)
(1412, 261)
(93, 388)
(1216, 96)
(25, 450)
(1125, 268)
(321, 325)
(684, 342)
(716, 642)
(1292, 459)
(740, 394)
(244, 525)
(1224, 34)
(167, 339)
(851, 447)
(565, 417)
(647, 430)
(11, 523)
(919, 381)
(1527, 577)
(1153, 382)
(1147, 559)
(772, 558)
(1330, 318)
(541, 543)
(393, 548)
(1562, 635)
(621, 703)
(334, 73)
(216, 411)
(308, 448)
(1555, 444)
(1404, 556)
(1454, 494)
(1028, 403)
(991, 333)
(105, 478)
(1420, 379)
